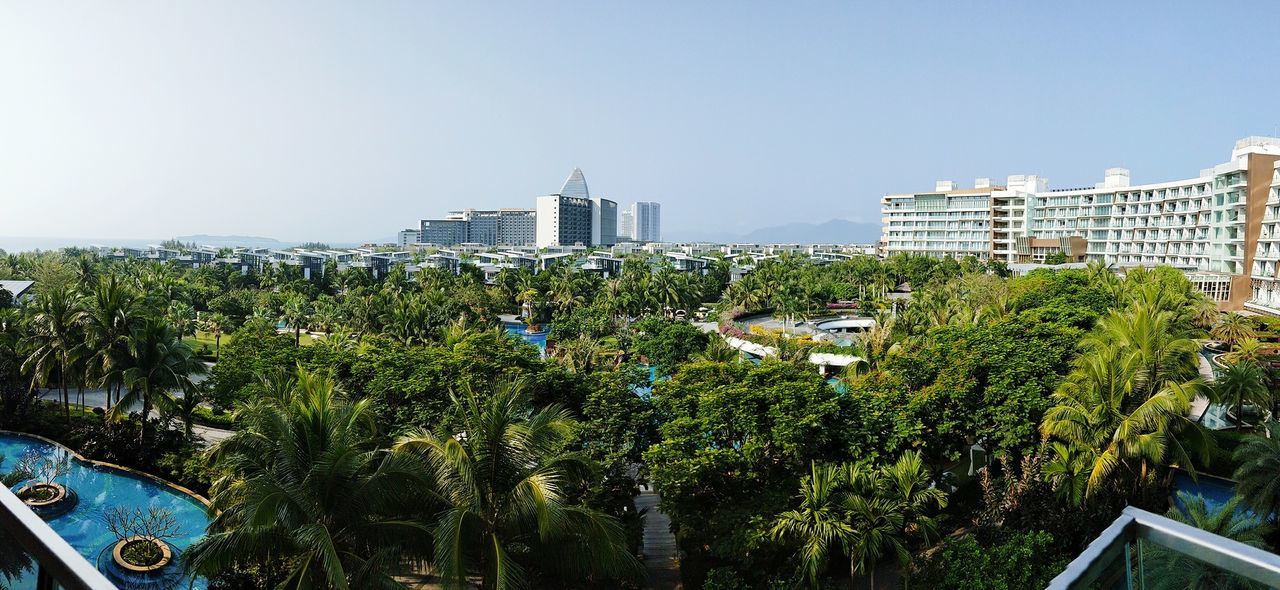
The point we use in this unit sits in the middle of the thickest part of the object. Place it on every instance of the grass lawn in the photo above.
(202, 339)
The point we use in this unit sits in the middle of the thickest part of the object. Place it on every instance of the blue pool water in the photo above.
(538, 339)
(1216, 491)
(646, 391)
(101, 488)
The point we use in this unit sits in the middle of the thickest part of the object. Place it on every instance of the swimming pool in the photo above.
(538, 339)
(646, 391)
(1215, 490)
(101, 488)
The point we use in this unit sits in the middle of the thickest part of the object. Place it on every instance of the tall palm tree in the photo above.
(1168, 570)
(878, 524)
(819, 523)
(907, 483)
(307, 487)
(113, 312)
(1232, 328)
(1258, 460)
(1099, 412)
(52, 341)
(1204, 313)
(502, 474)
(159, 364)
(1146, 332)
(296, 314)
(1242, 383)
(215, 323)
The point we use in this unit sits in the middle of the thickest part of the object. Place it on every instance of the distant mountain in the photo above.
(208, 240)
(835, 231)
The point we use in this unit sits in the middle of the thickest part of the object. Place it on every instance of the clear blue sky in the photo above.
(349, 120)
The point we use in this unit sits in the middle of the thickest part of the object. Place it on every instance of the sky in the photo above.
(347, 121)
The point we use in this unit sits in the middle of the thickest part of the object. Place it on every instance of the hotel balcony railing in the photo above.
(54, 563)
(1130, 549)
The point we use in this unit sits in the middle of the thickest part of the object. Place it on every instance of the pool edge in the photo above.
(155, 478)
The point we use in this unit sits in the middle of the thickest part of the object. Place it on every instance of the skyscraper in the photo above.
(626, 223)
(604, 222)
(647, 221)
(575, 186)
(564, 221)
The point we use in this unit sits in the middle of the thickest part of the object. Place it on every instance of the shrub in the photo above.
(1024, 560)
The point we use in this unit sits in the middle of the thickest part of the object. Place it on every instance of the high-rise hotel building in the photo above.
(1222, 226)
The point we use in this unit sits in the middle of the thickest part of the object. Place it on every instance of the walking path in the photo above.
(659, 544)
(97, 398)
(1200, 404)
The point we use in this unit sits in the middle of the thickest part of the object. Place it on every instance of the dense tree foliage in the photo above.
(1012, 416)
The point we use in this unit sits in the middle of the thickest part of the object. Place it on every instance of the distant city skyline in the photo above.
(343, 122)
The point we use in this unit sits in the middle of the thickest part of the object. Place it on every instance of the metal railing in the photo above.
(1135, 526)
(56, 561)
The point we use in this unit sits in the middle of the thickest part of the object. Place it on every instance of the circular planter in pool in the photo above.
(117, 555)
(49, 500)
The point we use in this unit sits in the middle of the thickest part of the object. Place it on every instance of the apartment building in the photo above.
(646, 221)
(1219, 226)
(564, 221)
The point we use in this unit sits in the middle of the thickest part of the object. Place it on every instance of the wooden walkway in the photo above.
(659, 547)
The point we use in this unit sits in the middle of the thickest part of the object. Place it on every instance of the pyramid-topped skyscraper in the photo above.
(575, 185)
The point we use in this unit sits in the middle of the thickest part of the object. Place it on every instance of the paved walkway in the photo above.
(97, 398)
(659, 544)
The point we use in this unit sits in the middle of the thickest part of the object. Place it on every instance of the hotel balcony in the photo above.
(53, 562)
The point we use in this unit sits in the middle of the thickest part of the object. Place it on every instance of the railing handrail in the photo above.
(1133, 523)
(53, 555)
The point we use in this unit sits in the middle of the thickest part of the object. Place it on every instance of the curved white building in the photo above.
(1220, 226)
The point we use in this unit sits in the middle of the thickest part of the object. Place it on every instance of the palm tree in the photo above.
(1241, 383)
(1067, 472)
(1232, 328)
(215, 323)
(308, 489)
(1170, 570)
(1099, 413)
(584, 354)
(1204, 313)
(1147, 333)
(819, 523)
(159, 363)
(502, 475)
(328, 315)
(295, 314)
(717, 351)
(878, 524)
(907, 484)
(114, 311)
(1247, 350)
(868, 513)
(52, 340)
(1258, 460)
(182, 317)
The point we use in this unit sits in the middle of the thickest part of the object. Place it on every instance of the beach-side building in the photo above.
(1220, 226)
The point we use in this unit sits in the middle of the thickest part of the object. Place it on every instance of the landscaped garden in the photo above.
(992, 420)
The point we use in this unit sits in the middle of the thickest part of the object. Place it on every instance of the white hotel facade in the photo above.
(1222, 227)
